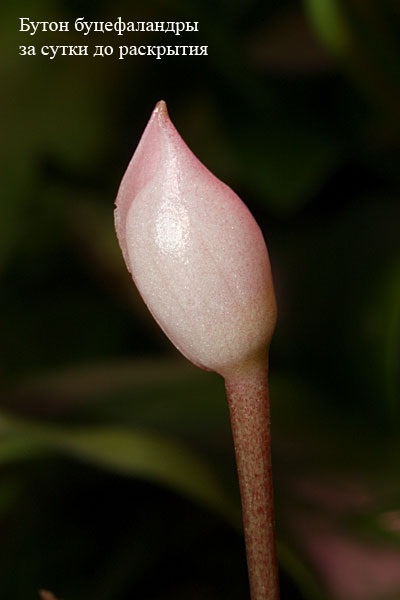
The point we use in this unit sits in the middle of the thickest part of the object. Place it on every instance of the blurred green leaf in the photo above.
(134, 453)
(168, 396)
(15, 448)
(366, 38)
(329, 20)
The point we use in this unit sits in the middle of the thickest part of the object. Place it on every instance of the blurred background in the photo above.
(117, 476)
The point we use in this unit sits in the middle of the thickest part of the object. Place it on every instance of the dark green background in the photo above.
(116, 463)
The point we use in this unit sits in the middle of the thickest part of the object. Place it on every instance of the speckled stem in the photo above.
(248, 399)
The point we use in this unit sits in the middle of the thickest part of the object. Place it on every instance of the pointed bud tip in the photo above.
(161, 109)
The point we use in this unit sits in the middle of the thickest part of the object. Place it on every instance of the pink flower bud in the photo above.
(195, 253)
(200, 262)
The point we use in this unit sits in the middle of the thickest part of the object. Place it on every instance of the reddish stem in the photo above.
(248, 399)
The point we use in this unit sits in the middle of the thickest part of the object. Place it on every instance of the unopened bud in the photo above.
(195, 253)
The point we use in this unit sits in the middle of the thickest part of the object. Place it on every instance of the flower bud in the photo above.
(195, 253)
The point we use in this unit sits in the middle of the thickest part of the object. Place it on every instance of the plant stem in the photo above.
(248, 399)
